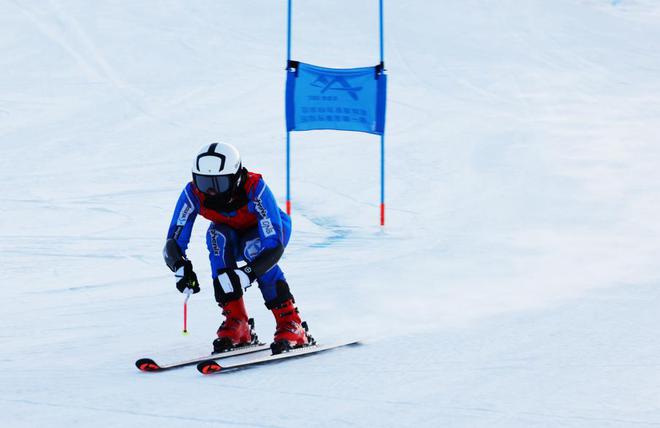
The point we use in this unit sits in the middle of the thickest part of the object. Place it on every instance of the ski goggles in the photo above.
(215, 183)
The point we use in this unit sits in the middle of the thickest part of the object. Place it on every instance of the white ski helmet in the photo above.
(217, 169)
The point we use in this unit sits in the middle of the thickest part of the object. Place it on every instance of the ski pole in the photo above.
(185, 311)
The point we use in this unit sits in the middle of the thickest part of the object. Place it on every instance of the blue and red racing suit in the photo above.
(247, 234)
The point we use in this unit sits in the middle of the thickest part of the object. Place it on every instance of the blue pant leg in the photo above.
(269, 280)
(222, 242)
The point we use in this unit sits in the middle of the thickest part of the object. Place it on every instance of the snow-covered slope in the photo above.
(515, 284)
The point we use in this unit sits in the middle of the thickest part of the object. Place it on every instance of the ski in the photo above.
(149, 365)
(210, 366)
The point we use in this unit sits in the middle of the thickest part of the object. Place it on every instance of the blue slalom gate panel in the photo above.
(329, 98)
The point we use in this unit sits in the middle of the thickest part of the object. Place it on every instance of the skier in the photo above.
(246, 225)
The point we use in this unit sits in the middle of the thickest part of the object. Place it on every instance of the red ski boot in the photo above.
(236, 330)
(290, 331)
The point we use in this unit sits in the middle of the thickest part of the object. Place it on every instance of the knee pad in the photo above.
(222, 297)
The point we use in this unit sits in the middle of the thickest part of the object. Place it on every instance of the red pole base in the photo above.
(382, 214)
(288, 207)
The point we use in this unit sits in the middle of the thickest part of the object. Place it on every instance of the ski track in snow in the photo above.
(516, 281)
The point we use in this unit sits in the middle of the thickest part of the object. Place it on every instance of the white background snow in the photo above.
(517, 281)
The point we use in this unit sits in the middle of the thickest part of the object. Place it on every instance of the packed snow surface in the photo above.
(516, 283)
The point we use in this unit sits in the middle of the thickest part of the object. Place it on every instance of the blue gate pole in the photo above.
(288, 133)
(382, 179)
(288, 172)
(288, 33)
(380, 12)
(382, 136)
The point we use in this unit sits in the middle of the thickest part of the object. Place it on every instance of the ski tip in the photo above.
(147, 365)
(208, 367)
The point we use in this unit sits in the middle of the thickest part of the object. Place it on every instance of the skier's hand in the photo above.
(234, 279)
(186, 278)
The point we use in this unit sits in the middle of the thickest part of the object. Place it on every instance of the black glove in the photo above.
(236, 278)
(186, 278)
